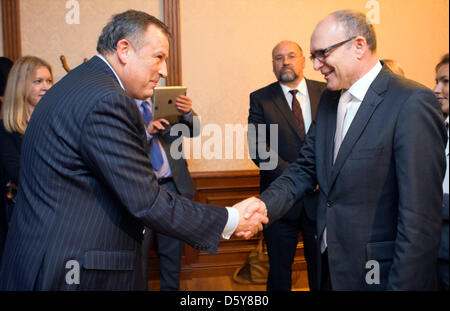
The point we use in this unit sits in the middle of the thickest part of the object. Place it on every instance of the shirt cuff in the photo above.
(232, 222)
(187, 117)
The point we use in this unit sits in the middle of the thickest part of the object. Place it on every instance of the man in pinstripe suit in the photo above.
(86, 185)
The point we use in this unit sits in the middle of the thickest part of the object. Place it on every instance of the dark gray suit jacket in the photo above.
(87, 189)
(268, 106)
(180, 173)
(382, 198)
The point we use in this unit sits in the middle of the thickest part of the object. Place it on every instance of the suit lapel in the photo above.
(369, 104)
(331, 129)
(280, 102)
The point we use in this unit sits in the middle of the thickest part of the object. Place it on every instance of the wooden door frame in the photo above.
(12, 47)
(12, 43)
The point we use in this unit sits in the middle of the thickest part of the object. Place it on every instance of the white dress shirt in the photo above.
(358, 91)
(303, 98)
(233, 214)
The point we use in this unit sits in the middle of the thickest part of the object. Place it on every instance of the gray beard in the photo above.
(288, 76)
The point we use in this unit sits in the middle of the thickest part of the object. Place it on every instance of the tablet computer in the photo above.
(163, 99)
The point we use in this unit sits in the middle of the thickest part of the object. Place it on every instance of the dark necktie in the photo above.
(155, 151)
(297, 111)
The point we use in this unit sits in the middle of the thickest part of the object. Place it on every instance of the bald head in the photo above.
(327, 33)
(343, 46)
(352, 23)
(288, 63)
(284, 43)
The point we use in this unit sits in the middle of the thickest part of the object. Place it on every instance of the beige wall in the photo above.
(227, 48)
(46, 34)
(226, 44)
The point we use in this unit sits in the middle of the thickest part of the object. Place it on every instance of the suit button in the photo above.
(329, 204)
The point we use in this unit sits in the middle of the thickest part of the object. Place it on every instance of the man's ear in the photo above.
(123, 50)
(360, 46)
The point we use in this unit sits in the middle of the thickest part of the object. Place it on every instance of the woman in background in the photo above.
(29, 79)
(5, 67)
(394, 67)
(441, 92)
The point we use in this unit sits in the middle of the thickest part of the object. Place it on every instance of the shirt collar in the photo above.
(301, 87)
(109, 65)
(360, 87)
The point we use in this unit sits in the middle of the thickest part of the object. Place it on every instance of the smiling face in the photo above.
(288, 63)
(441, 89)
(340, 67)
(37, 85)
(146, 66)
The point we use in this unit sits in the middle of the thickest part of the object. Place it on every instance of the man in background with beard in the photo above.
(291, 103)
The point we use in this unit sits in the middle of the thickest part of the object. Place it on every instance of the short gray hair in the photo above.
(128, 25)
(356, 24)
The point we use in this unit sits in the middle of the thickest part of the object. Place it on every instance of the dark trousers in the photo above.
(281, 238)
(6, 209)
(443, 274)
(325, 279)
(443, 262)
(169, 251)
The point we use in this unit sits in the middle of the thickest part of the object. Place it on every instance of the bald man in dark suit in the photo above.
(275, 104)
(376, 149)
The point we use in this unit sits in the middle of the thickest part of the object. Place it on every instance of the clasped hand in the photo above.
(252, 216)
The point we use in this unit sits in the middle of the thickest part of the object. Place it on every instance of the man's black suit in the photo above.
(268, 106)
(382, 198)
(180, 173)
(86, 190)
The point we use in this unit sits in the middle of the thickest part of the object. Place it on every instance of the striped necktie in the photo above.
(297, 111)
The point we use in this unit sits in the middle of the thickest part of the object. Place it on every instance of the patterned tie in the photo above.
(346, 97)
(155, 151)
(297, 111)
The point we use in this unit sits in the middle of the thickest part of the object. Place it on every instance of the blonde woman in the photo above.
(394, 67)
(29, 79)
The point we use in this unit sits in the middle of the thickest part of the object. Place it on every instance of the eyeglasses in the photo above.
(320, 55)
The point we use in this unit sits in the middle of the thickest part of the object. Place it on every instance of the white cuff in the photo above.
(232, 222)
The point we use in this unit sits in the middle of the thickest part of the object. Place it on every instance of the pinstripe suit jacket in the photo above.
(86, 190)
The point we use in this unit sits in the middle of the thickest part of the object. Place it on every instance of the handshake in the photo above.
(252, 216)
